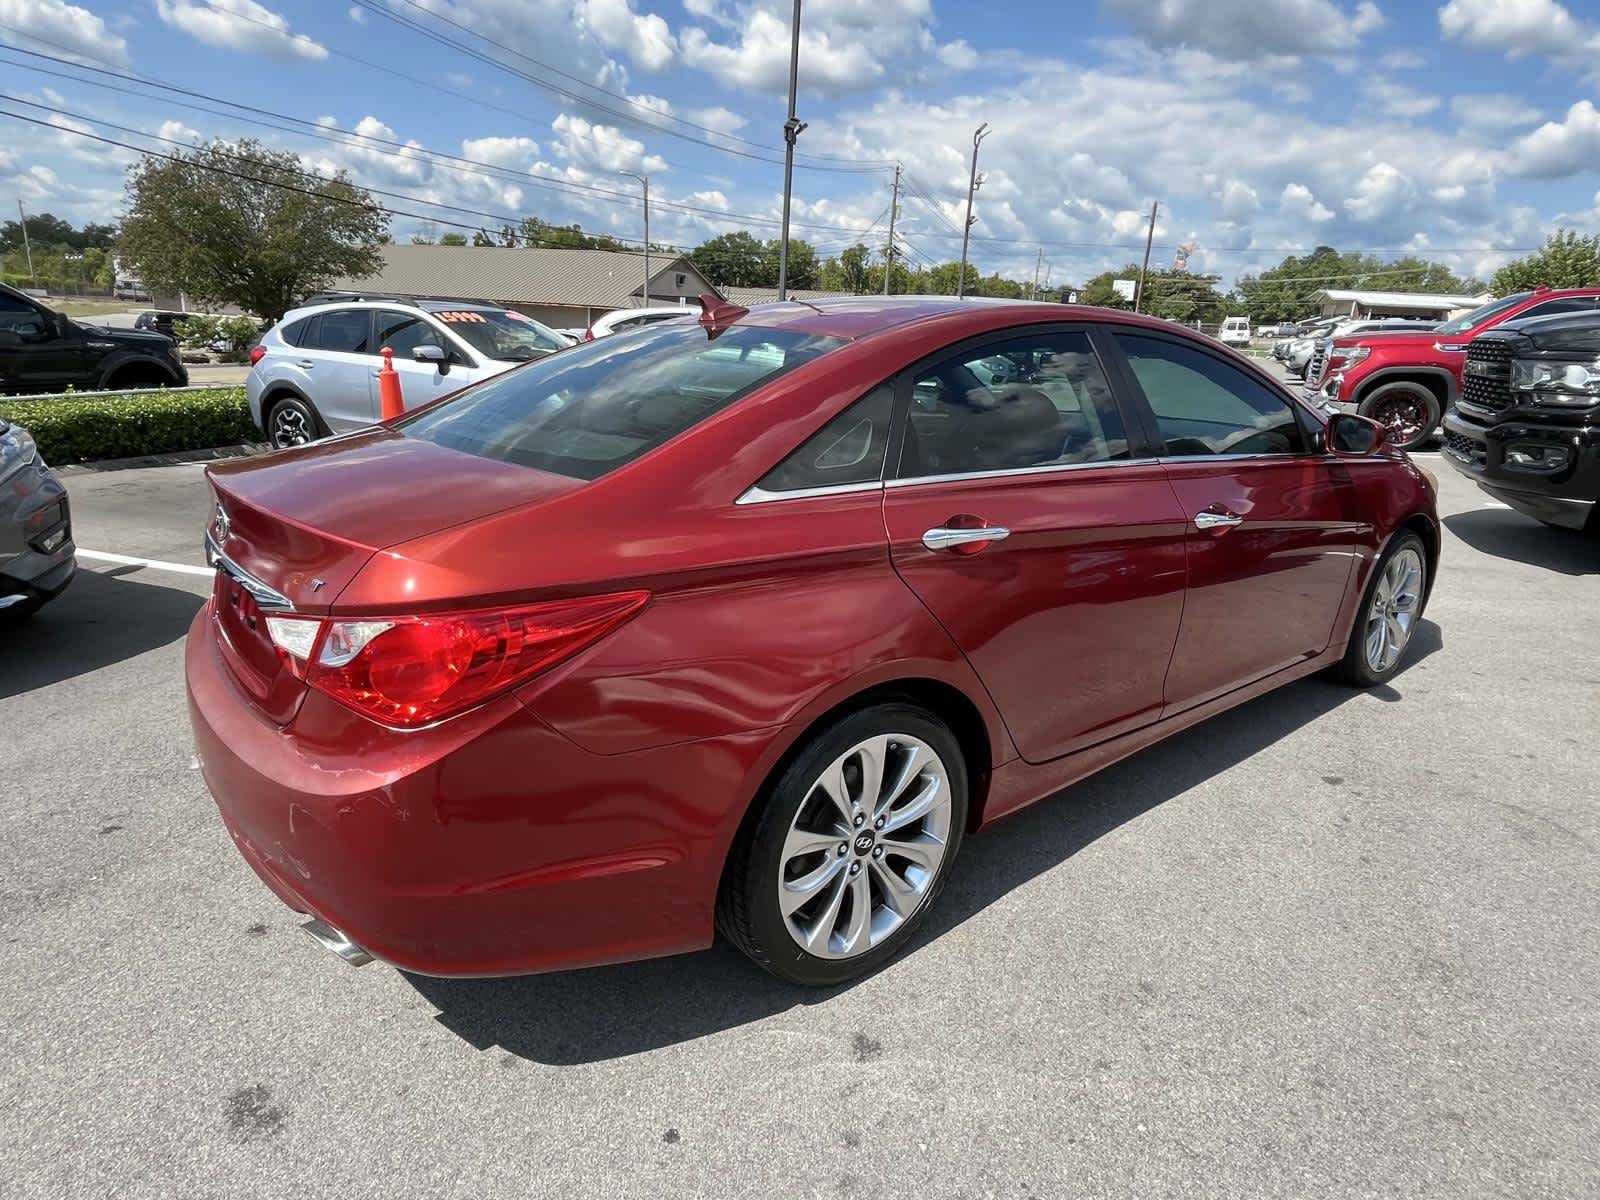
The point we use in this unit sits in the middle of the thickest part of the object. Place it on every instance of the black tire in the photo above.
(1355, 668)
(1408, 410)
(284, 414)
(747, 904)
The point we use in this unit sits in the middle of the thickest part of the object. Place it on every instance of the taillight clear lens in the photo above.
(295, 638)
(413, 671)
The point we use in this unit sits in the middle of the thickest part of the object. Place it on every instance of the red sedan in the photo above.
(744, 623)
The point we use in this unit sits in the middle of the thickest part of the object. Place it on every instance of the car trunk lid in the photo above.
(289, 531)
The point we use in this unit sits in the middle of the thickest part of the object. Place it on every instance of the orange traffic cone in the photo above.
(391, 402)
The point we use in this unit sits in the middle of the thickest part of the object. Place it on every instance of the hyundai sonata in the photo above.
(745, 623)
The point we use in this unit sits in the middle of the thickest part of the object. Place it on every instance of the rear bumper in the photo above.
(486, 845)
(33, 513)
(1565, 496)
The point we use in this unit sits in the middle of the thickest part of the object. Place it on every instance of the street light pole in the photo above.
(973, 183)
(22, 222)
(889, 250)
(645, 180)
(791, 131)
(1150, 236)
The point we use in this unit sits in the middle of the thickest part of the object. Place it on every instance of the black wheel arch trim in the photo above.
(1400, 374)
(123, 359)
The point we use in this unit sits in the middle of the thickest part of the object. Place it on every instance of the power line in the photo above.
(489, 60)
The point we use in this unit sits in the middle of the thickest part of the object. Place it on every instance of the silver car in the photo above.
(315, 372)
(37, 557)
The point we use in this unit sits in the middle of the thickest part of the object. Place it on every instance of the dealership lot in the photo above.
(1331, 943)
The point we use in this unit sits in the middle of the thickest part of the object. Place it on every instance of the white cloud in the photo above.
(179, 132)
(518, 152)
(1493, 110)
(643, 37)
(1399, 99)
(1237, 202)
(1519, 28)
(1560, 148)
(1298, 202)
(61, 27)
(1249, 29)
(1382, 192)
(239, 25)
(358, 14)
(602, 147)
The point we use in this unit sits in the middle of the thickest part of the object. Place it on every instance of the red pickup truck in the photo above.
(1407, 380)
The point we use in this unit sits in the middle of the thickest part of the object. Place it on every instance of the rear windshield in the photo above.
(503, 334)
(595, 406)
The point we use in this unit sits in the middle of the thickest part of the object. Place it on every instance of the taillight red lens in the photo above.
(257, 353)
(588, 334)
(413, 671)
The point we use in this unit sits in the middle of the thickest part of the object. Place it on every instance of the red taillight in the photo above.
(588, 334)
(413, 671)
(257, 353)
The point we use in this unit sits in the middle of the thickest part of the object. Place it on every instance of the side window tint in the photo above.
(404, 332)
(1551, 308)
(848, 449)
(295, 330)
(1206, 406)
(345, 330)
(1039, 400)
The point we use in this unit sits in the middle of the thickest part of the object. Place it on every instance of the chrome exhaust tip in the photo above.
(337, 941)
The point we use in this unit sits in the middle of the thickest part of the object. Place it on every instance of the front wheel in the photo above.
(1388, 616)
(850, 848)
(1409, 411)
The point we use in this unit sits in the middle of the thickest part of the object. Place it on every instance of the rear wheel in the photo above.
(291, 422)
(1409, 411)
(1388, 616)
(850, 847)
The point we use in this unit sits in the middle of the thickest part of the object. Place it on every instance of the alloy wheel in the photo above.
(1405, 416)
(1393, 613)
(865, 847)
(289, 427)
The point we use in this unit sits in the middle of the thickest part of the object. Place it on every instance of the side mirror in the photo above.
(437, 355)
(1352, 436)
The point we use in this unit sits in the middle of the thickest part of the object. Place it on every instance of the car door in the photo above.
(1035, 527)
(1272, 523)
(420, 382)
(338, 357)
(39, 352)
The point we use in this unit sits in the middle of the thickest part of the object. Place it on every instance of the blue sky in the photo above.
(1466, 130)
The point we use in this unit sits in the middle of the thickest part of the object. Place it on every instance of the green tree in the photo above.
(942, 279)
(453, 239)
(1287, 291)
(848, 272)
(237, 223)
(734, 260)
(1565, 260)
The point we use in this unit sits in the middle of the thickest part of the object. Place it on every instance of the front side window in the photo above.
(346, 330)
(403, 332)
(1206, 406)
(21, 318)
(1038, 400)
(603, 403)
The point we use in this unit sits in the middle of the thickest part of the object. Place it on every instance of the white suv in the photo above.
(635, 318)
(316, 371)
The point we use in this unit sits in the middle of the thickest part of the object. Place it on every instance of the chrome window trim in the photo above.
(755, 494)
(267, 598)
(1006, 473)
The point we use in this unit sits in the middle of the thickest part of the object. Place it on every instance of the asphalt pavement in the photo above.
(1334, 943)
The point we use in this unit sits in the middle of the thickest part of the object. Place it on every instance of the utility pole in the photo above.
(791, 131)
(1037, 263)
(973, 184)
(22, 220)
(889, 251)
(1150, 235)
(644, 179)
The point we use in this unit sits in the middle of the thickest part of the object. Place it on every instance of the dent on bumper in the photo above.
(486, 845)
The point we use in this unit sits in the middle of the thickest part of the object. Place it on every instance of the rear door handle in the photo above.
(945, 538)
(305, 364)
(1216, 520)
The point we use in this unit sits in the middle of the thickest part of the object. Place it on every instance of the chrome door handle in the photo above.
(305, 364)
(943, 538)
(1216, 520)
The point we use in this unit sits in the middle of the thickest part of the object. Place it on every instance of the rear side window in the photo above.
(848, 449)
(594, 407)
(295, 330)
(1206, 406)
(346, 330)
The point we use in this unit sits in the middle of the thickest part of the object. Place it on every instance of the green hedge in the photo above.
(73, 430)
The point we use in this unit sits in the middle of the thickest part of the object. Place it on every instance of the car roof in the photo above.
(861, 316)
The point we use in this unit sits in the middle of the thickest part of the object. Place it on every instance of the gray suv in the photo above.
(37, 557)
(316, 371)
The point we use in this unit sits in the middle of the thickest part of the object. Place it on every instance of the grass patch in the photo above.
(91, 308)
(131, 424)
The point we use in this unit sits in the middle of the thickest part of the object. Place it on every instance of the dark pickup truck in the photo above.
(43, 351)
(1526, 426)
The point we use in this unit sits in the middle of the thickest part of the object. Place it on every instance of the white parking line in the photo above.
(154, 564)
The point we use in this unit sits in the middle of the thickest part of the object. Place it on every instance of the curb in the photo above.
(177, 459)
